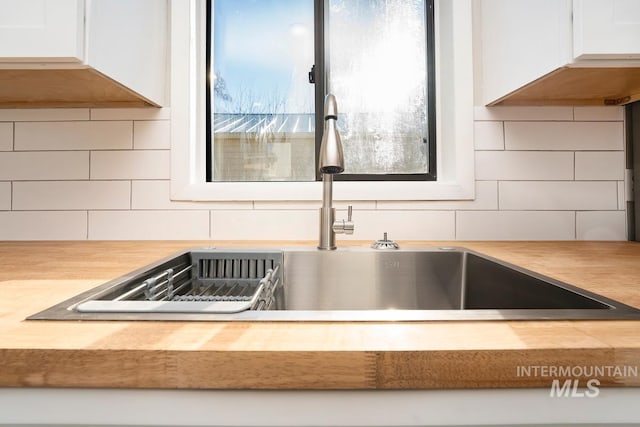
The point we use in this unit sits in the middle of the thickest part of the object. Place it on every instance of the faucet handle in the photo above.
(348, 225)
(344, 227)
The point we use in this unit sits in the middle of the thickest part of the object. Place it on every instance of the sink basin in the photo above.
(352, 284)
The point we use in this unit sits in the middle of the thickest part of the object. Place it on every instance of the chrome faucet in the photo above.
(331, 163)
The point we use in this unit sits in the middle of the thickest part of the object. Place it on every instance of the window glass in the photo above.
(377, 71)
(261, 101)
(377, 62)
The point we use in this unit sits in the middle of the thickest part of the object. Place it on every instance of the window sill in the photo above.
(454, 76)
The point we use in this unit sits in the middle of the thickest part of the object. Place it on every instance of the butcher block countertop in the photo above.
(296, 355)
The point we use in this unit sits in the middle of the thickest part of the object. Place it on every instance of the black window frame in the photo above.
(319, 77)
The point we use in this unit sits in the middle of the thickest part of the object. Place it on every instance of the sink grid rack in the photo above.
(212, 276)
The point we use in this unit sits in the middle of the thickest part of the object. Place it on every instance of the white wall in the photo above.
(614, 406)
(72, 174)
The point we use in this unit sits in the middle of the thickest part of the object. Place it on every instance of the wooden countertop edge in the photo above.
(330, 370)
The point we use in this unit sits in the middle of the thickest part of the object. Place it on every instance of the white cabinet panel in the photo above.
(127, 41)
(606, 29)
(559, 52)
(36, 30)
(83, 53)
(530, 37)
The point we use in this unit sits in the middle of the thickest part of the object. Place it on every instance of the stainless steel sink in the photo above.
(352, 284)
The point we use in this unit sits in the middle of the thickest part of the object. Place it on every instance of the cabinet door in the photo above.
(606, 29)
(41, 30)
(522, 40)
(126, 41)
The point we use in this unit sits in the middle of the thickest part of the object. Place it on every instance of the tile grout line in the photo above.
(133, 132)
(89, 168)
(455, 224)
(210, 225)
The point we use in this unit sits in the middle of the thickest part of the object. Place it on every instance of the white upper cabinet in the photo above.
(127, 40)
(92, 53)
(37, 30)
(606, 29)
(559, 52)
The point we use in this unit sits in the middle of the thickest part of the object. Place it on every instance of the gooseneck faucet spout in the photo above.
(331, 163)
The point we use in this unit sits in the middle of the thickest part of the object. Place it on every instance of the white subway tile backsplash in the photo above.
(523, 113)
(515, 225)
(5, 196)
(601, 225)
(564, 136)
(543, 173)
(600, 165)
(156, 195)
(148, 225)
(6, 136)
(600, 114)
(131, 114)
(400, 225)
(43, 225)
(486, 199)
(70, 195)
(152, 135)
(488, 135)
(44, 165)
(73, 135)
(43, 114)
(291, 205)
(313, 204)
(139, 164)
(303, 225)
(571, 195)
(264, 225)
(622, 196)
(524, 165)
(344, 204)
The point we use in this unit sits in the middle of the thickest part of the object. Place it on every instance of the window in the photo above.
(265, 118)
(454, 120)
(261, 105)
